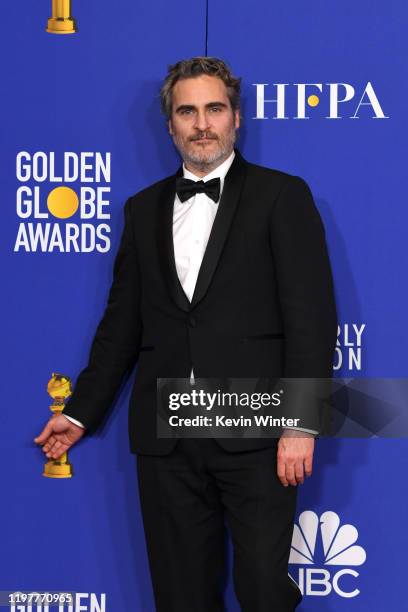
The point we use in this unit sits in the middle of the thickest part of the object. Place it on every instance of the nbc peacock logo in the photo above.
(324, 541)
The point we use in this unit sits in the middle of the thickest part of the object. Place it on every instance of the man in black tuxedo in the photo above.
(222, 271)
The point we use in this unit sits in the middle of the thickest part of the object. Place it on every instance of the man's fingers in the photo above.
(58, 442)
(57, 454)
(295, 457)
(308, 465)
(290, 474)
(49, 443)
(58, 436)
(281, 471)
(55, 446)
(299, 472)
(53, 439)
(55, 450)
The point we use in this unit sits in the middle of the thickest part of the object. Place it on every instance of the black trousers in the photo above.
(185, 497)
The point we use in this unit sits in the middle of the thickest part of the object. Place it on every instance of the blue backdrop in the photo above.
(96, 92)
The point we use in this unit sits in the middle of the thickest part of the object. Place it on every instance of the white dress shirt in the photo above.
(192, 223)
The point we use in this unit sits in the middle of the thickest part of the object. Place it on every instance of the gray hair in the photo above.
(194, 67)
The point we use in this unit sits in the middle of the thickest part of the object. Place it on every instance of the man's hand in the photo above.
(295, 456)
(58, 436)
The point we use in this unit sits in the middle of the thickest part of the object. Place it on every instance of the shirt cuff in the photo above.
(311, 431)
(74, 421)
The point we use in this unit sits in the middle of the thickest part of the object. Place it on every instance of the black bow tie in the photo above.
(187, 189)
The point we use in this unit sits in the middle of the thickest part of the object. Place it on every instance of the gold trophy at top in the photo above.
(61, 21)
(59, 387)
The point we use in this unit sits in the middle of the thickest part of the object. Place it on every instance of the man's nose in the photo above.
(201, 122)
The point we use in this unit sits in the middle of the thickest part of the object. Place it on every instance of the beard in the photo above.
(198, 155)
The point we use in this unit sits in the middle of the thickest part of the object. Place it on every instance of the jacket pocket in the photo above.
(146, 348)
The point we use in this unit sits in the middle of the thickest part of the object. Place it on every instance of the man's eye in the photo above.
(215, 108)
(186, 111)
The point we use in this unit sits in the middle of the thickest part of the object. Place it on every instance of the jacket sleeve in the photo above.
(115, 347)
(306, 296)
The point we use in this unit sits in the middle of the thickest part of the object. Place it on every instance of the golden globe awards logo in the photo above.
(62, 202)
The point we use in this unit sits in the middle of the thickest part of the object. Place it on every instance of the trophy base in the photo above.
(53, 469)
(61, 25)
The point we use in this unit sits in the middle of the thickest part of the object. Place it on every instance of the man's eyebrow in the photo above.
(192, 107)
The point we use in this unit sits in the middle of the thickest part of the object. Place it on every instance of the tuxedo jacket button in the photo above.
(191, 321)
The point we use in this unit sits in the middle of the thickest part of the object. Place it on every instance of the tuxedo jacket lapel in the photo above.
(231, 192)
(233, 184)
(166, 245)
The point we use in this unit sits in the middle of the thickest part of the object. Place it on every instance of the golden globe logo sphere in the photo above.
(59, 386)
(62, 202)
(313, 100)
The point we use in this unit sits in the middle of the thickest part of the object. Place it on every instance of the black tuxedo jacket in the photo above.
(263, 303)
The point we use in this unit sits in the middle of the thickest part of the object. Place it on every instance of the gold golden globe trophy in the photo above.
(61, 21)
(59, 388)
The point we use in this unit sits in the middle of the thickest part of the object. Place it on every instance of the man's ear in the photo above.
(237, 119)
(169, 126)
